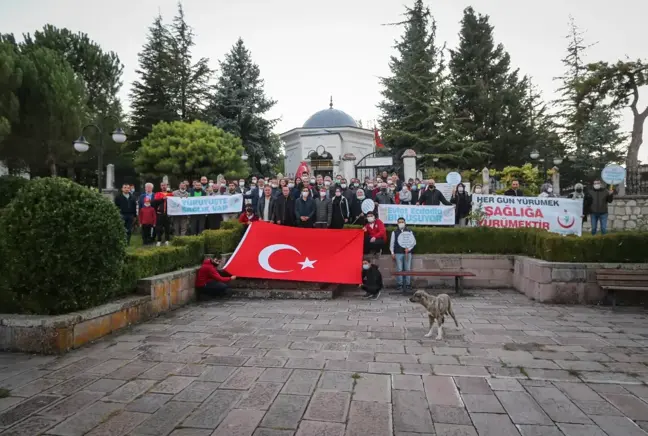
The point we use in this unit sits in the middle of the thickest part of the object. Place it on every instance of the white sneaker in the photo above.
(375, 297)
(158, 244)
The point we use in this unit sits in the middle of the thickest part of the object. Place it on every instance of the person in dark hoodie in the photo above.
(372, 281)
(600, 198)
(209, 282)
(463, 203)
(284, 208)
(127, 209)
(305, 209)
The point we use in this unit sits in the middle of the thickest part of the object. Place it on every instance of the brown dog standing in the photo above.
(438, 307)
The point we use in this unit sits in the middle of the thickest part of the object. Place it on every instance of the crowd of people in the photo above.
(317, 202)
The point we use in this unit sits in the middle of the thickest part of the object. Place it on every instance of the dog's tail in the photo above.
(452, 313)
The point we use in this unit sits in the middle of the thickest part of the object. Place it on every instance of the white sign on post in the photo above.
(406, 240)
(453, 178)
(613, 174)
(367, 206)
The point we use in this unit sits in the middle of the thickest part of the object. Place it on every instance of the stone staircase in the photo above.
(283, 290)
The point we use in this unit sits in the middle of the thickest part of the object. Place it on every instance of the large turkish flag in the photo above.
(269, 251)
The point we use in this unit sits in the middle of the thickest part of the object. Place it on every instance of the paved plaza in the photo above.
(346, 367)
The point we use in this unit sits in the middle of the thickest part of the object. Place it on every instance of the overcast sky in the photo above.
(308, 51)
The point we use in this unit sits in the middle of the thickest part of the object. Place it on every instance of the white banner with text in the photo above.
(205, 205)
(417, 215)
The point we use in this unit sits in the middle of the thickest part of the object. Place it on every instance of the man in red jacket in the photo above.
(209, 281)
(375, 235)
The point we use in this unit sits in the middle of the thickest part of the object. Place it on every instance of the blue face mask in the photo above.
(365, 267)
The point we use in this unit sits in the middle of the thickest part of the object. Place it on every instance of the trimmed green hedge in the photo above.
(225, 239)
(184, 252)
(621, 247)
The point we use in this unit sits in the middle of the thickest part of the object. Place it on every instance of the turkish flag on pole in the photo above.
(379, 143)
(269, 251)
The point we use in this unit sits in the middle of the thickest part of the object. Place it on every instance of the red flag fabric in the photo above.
(269, 251)
(379, 143)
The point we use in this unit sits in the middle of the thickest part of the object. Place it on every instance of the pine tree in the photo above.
(152, 95)
(416, 111)
(191, 81)
(588, 127)
(239, 104)
(489, 96)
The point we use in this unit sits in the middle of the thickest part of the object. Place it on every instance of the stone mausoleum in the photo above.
(330, 141)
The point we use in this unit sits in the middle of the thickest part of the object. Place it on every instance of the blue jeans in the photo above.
(602, 218)
(404, 263)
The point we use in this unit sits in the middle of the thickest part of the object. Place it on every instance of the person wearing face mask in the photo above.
(384, 197)
(323, 211)
(357, 217)
(241, 187)
(432, 196)
(477, 189)
(372, 281)
(305, 209)
(463, 203)
(340, 210)
(369, 190)
(405, 195)
(181, 222)
(413, 190)
(402, 256)
(546, 190)
(266, 205)
(600, 198)
(347, 192)
(248, 216)
(375, 235)
(579, 194)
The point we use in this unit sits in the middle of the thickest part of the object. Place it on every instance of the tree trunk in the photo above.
(632, 159)
(51, 160)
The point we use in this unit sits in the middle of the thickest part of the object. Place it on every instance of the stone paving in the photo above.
(346, 367)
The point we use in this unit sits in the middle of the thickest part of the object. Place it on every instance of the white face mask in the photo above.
(323, 194)
(371, 219)
(597, 186)
(370, 186)
(327, 183)
(361, 197)
(549, 190)
(241, 184)
(343, 185)
(274, 185)
(305, 194)
(401, 226)
(460, 190)
(254, 180)
(291, 185)
(478, 191)
(312, 181)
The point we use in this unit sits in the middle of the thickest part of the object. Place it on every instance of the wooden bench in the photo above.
(456, 274)
(612, 280)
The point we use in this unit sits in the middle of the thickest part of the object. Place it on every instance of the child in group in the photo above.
(372, 282)
(147, 219)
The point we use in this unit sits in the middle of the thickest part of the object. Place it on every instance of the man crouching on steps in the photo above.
(209, 282)
(372, 282)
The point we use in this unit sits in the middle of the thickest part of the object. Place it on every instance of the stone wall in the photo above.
(627, 212)
(57, 334)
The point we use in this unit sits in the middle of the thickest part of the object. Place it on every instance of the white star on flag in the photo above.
(307, 263)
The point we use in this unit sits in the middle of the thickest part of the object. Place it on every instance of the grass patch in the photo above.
(4, 393)
(532, 346)
(523, 372)
(573, 372)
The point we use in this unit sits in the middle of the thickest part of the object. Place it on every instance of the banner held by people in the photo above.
(417, 215)
(204, 205)
(558, 215)
(274, 252)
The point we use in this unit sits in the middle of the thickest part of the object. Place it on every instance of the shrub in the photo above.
(184, 252)
(224, 240)
(9, 187)
(63, 248)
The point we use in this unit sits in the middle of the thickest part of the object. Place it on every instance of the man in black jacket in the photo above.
(432, 196)
(515, 190)
(372, 282)
(127, 208)
(284, 208)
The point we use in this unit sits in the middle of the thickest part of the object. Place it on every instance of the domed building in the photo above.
(330, 141)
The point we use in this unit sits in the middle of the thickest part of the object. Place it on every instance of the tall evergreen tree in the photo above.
(489, 96)
(152, 97)
(416, 111)
(239, 105)
(191, 80)
(589, 129)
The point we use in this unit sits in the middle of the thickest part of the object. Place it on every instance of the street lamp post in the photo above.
(263, 161)
(82, 145)
(535, 155)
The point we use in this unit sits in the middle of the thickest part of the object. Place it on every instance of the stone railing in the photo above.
(57, 334)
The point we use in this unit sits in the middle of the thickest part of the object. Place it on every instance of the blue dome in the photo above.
(328, 118)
